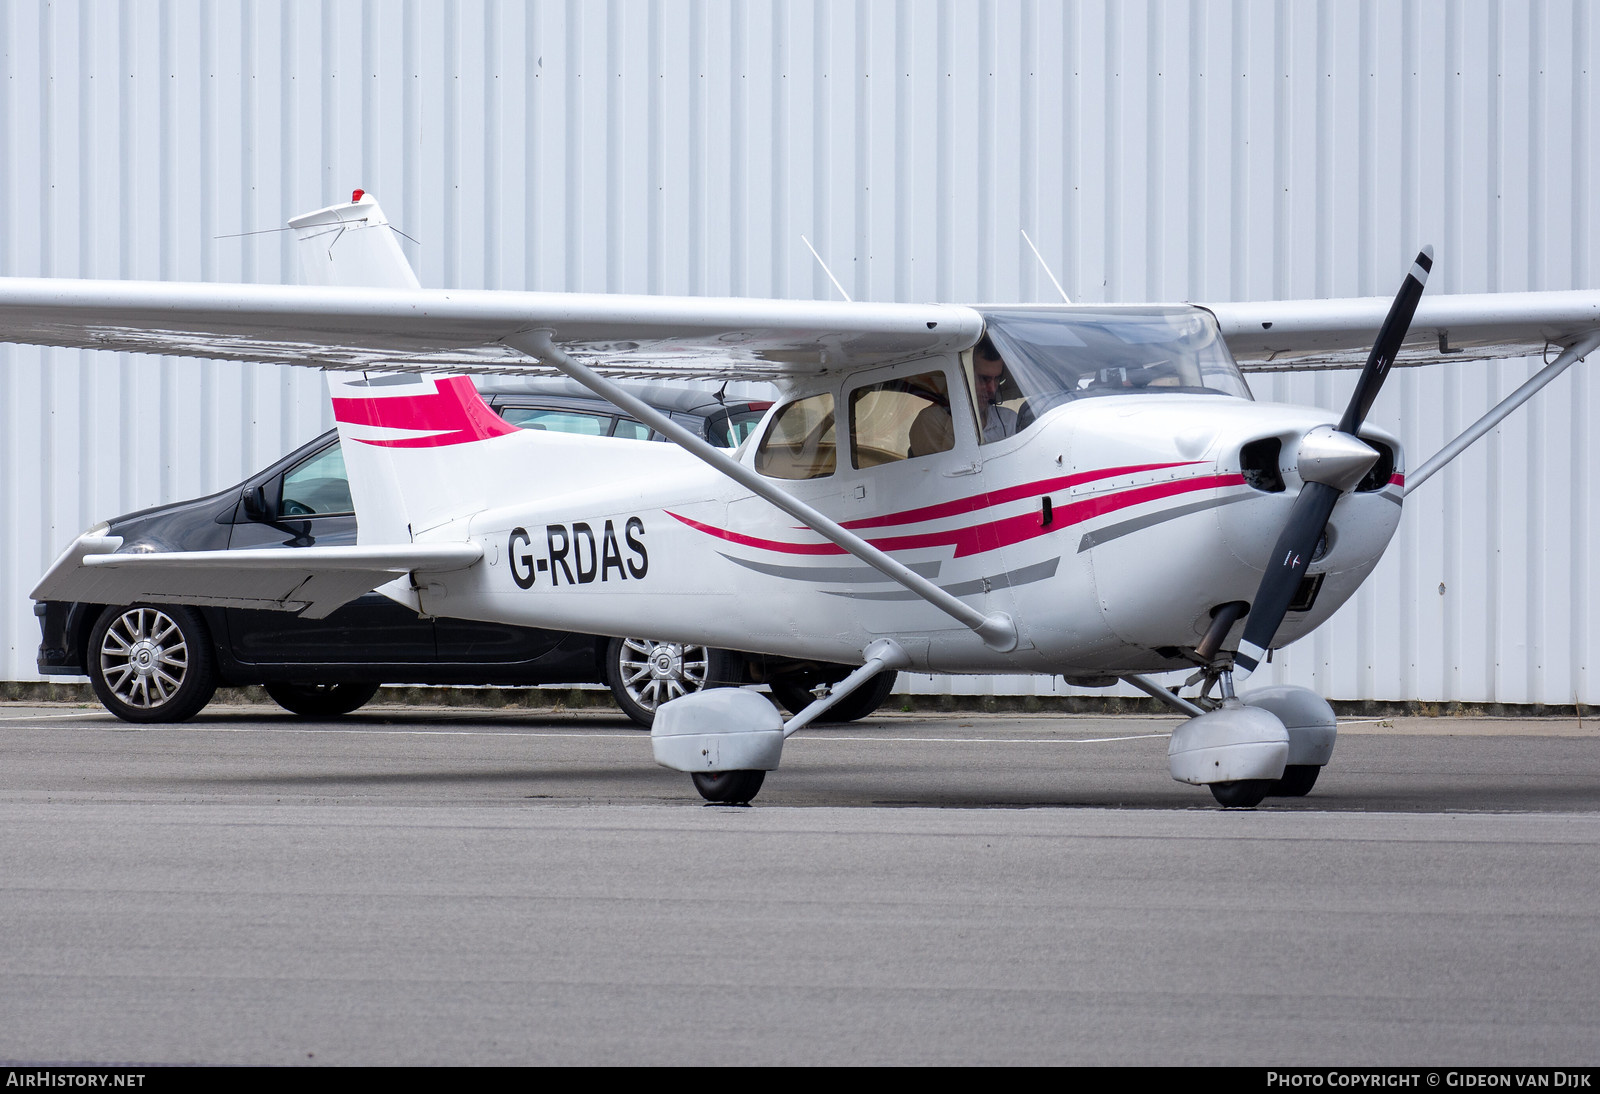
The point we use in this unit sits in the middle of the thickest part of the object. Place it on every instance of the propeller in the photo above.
(1331, 461)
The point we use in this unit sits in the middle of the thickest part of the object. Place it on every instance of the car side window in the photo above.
(558, 421)
(574, 421)
(730, 429)
(801, 441)
(318, 486)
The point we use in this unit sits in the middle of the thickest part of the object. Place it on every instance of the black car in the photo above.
(162, 663)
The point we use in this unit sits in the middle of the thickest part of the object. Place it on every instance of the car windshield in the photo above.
(1057, 355)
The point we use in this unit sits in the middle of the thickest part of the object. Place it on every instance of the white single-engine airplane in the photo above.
(1080, 490)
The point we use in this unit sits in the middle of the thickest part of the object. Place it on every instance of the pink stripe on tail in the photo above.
(453, 414)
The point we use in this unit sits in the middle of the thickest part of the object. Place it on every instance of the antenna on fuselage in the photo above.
(825, 269)
(1046, 266)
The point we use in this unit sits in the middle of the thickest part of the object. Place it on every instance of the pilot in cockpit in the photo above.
(933, 430)
(988, 373)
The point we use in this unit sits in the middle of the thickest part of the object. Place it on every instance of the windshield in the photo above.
(1054, 356)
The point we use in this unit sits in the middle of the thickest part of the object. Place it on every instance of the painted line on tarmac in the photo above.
(324, 731)
(49, 717)
(626, 735)
(995, 740)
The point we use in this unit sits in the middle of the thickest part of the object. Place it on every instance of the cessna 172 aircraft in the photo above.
(1082, 490)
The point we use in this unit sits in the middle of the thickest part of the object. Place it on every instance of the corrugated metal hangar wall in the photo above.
(1155, 151)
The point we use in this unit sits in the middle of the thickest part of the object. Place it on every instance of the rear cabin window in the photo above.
(801, 443)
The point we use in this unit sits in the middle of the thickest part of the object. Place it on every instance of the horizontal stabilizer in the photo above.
(313, 581)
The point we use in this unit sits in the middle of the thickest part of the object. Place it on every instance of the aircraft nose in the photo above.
(1334, 458)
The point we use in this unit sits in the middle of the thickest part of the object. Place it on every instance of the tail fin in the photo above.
(411, 448)
(352, 246)
(408, 440)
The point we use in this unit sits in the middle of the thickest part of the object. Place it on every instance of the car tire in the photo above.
(643, 673)
(793, 693)
(321, 700)
(151, 663)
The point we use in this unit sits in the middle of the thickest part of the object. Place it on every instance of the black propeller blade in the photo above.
(1309, 517)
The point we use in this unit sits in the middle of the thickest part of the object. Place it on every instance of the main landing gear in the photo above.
(727, 739)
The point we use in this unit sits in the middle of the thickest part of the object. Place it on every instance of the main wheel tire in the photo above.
(321, 700)
(150, 663)
(793, 694)
(728, 787)
(1297, 781)
(1243, 794)
(643, 673)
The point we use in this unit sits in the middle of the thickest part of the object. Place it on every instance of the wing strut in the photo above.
(996, 629)
(1575, 352)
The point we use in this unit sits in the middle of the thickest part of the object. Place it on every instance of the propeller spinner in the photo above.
(1331, 461)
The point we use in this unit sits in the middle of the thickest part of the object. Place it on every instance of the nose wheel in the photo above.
(1242, 794)
(728, 787)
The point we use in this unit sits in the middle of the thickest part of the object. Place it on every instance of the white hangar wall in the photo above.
(1155, 151)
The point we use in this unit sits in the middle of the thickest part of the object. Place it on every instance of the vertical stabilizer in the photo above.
(411, 442)
(412, 446)
(351, 245)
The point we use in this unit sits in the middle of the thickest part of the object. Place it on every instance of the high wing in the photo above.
(1283, 335)
(464, 331)
(667, 337)
(310, 580)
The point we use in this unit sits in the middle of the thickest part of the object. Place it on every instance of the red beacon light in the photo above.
(357, 195)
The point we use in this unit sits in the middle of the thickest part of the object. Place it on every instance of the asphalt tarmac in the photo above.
(427, 885)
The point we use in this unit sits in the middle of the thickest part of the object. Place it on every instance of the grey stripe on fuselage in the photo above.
(836, 574)
(1039, 571)
(1117, 531)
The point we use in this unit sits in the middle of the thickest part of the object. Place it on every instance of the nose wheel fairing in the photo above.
(1273, 742)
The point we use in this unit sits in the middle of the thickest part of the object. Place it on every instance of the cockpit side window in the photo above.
(900, 419)
(801, 442)
(995, 395)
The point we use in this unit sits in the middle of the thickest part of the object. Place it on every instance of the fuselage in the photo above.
(1107, 529)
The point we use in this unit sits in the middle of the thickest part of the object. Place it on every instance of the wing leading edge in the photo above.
(1282, 335)
(366, 311)
(429, 330)
(668, 337)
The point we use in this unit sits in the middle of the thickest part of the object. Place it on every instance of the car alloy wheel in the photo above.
(151, 664)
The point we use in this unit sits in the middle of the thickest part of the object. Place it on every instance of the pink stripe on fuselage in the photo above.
(1010, 493)
(978, 538)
